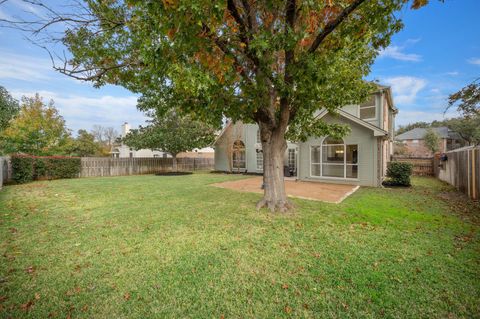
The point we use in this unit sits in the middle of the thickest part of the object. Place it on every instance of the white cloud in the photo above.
(405, 88)
(395, 52)
(453, 73)
(29, 8)
(475, 61)
(84, 112)
(5, 16)
(23, 67)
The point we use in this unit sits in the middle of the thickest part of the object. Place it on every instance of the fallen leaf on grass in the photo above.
(27, 306)
(37, 296)
(285, 286)
(30, 270)
(288, 309)
(126, 296)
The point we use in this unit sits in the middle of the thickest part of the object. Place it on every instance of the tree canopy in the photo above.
(467, 99)
(432, 140)
(9, 107)
(38, 129)
(84, 145)
(171, 133)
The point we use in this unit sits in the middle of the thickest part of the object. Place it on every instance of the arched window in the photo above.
(238, 154)
(334, 159)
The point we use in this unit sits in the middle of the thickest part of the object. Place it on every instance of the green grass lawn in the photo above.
(157, 247)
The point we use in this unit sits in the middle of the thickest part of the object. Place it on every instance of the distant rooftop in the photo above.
(419, 133)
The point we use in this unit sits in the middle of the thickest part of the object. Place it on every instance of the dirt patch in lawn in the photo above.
(325, 192)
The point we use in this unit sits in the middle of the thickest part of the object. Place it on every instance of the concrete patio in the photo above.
(325, 192)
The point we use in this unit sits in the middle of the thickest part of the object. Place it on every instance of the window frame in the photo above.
(259, 153)
(321, 162)
(368, 106)
(238, 150)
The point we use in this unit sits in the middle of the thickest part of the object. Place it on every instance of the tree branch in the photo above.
(329, 28)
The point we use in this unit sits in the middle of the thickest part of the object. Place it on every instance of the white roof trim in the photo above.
(376, 130)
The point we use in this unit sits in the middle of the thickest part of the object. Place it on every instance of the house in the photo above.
(124, 151)
(359, 158)
(121, 150)
(414, 145)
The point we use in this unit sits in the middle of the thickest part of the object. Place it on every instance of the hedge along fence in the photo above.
(26, 168)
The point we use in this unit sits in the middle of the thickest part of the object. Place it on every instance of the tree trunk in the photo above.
(273, 147)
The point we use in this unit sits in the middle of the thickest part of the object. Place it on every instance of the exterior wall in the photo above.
(367, 155)
(247, 133)
(123, 151)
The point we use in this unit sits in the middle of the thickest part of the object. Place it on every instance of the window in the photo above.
(292, 158)
(259, 139)
(368, 109)
(259, 159)
(334, 159)
(238, 155)
(415, 141)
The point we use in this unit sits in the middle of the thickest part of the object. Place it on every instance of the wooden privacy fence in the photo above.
(102, 166)
(5, 170)
(422, 166)
(461, 169)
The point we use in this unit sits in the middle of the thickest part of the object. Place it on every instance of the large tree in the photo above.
(9, 107)
(38, 129)
(85, 145)
(171, 133)
(266, 61)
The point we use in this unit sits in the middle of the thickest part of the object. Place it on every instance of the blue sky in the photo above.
(437, 53)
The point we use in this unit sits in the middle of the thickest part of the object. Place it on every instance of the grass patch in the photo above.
(172, 246)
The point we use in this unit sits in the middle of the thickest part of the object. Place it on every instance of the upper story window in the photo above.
(368, 109)
(259, 140)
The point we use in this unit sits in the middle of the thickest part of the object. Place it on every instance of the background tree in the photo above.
(38, 129)
(432, 140)
(468, 128)
(270, 62)
(171, 133)
(467, 99)
(106, 137)
(9, 107)
(85, 145)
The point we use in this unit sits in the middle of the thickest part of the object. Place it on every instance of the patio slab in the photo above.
(325, 192)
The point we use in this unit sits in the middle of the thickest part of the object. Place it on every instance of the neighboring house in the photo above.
(121, 150)
(359, 158)
(124, 151)
(414, 145)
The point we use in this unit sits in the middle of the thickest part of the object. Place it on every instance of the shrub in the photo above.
(22, 169)
(27, 168)
(399, 174)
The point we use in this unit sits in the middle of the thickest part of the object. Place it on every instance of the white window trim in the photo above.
(367, 107)
(256, 160)
(344, 178)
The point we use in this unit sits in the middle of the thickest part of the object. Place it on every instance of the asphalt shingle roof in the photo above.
(419, 133)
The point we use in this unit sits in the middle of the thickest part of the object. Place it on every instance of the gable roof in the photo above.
(419, 133)
(376, 130)
(222, 132)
